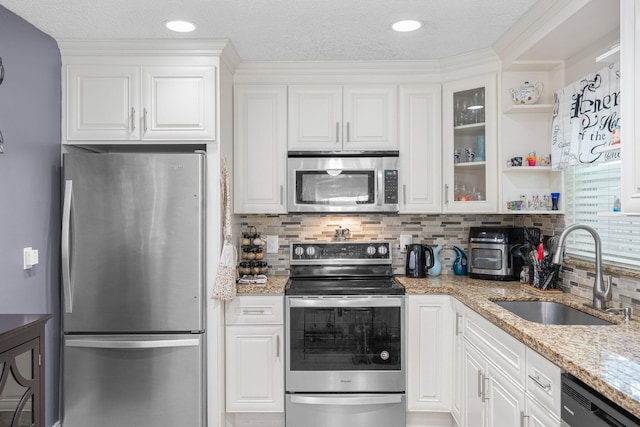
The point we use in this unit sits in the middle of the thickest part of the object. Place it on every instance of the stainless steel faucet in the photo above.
(601, 294)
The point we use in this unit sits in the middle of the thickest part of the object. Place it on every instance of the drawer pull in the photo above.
(540, 384)
(253, 311)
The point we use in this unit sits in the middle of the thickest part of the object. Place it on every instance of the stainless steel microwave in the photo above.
(343, 182)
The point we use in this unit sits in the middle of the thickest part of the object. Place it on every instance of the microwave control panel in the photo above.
(390, 186)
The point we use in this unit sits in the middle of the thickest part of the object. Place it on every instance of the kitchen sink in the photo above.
(551, 313)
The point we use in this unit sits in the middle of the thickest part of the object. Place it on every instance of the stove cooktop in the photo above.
(342, 268)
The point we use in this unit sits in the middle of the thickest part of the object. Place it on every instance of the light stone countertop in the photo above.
(605, 357)
(274, 286)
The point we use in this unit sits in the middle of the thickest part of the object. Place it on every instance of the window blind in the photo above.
(590, 194)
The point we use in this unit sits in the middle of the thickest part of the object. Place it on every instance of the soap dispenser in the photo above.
(460, 263)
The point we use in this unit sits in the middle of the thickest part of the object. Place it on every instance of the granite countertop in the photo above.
(606, 358)
(274, 286)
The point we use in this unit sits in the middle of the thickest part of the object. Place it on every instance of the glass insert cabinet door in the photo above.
(18, 385)
(470, 145)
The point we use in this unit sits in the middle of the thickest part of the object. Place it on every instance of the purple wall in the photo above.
(30, 182)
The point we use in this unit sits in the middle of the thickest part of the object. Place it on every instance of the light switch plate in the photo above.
(272, 244)
(405, 239)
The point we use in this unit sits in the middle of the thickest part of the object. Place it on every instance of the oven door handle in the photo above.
(345, 302)
(346, 400)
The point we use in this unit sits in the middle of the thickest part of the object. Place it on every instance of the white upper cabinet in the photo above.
(142, 91)
(315, 117)
(133, 103)
(103, 102)
(178, 103)
(260, 148)
(420, 144)
(470, 145)
(336, 118)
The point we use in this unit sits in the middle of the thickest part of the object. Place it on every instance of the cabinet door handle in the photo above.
(446, 194)
(133, 119)
(484, 388)
(404, 194)
(337, 131)
(458, 316)
(277, 346)
(348, 137)
(282, 194)
(253, 311)
(480, 383)
(540, 384)
(144, 120)
(522, 418)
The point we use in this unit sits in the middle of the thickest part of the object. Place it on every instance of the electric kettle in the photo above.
(419, 260)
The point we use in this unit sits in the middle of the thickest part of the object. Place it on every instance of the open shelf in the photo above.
(528, 108)
(610, 56)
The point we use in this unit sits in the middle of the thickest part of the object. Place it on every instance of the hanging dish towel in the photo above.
(225, 287)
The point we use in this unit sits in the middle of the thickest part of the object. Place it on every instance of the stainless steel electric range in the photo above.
(345, 358)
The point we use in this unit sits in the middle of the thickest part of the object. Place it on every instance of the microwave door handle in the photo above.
(345, 400)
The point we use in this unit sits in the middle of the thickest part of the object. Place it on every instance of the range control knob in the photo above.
(382, 250)
(371, 251)
(311, 251)
(299, 251)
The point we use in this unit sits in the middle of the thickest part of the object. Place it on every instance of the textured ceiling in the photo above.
(288, 30)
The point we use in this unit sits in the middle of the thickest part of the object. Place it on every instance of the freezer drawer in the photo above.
(142, 381)
(345, 410)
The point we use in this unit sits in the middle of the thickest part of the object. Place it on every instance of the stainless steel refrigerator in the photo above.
(133, 279)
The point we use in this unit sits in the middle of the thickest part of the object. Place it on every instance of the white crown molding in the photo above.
(365, 71)
(196, 47)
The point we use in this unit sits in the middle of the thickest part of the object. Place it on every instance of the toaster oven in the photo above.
(490, 252)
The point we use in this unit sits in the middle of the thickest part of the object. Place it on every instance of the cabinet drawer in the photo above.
(506, 352)
(255, 309)
(543, 381)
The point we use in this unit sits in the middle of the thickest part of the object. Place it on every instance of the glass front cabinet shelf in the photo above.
(470, 153)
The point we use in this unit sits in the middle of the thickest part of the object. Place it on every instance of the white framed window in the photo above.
(592, 191)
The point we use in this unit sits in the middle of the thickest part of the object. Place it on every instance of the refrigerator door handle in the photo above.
(131, 344)
(66, 241)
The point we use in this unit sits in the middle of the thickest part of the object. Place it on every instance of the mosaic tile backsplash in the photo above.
(447, 230)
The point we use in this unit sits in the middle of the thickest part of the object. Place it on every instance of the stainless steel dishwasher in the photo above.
(582, 406)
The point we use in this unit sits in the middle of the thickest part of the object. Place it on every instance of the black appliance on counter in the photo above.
(345, 344)
(492, 255)
(419, 260)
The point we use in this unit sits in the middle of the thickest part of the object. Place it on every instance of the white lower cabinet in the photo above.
(429, 353)
(501, 382)
(255, 354)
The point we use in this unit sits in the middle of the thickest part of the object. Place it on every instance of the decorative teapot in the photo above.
(527, 93)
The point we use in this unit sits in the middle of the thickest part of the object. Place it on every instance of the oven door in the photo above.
(345, 344)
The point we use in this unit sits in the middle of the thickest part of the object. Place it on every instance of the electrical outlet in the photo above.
(405, 239)
(272, 244)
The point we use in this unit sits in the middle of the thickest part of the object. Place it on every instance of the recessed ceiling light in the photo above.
(180, 26)
(406, 25)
